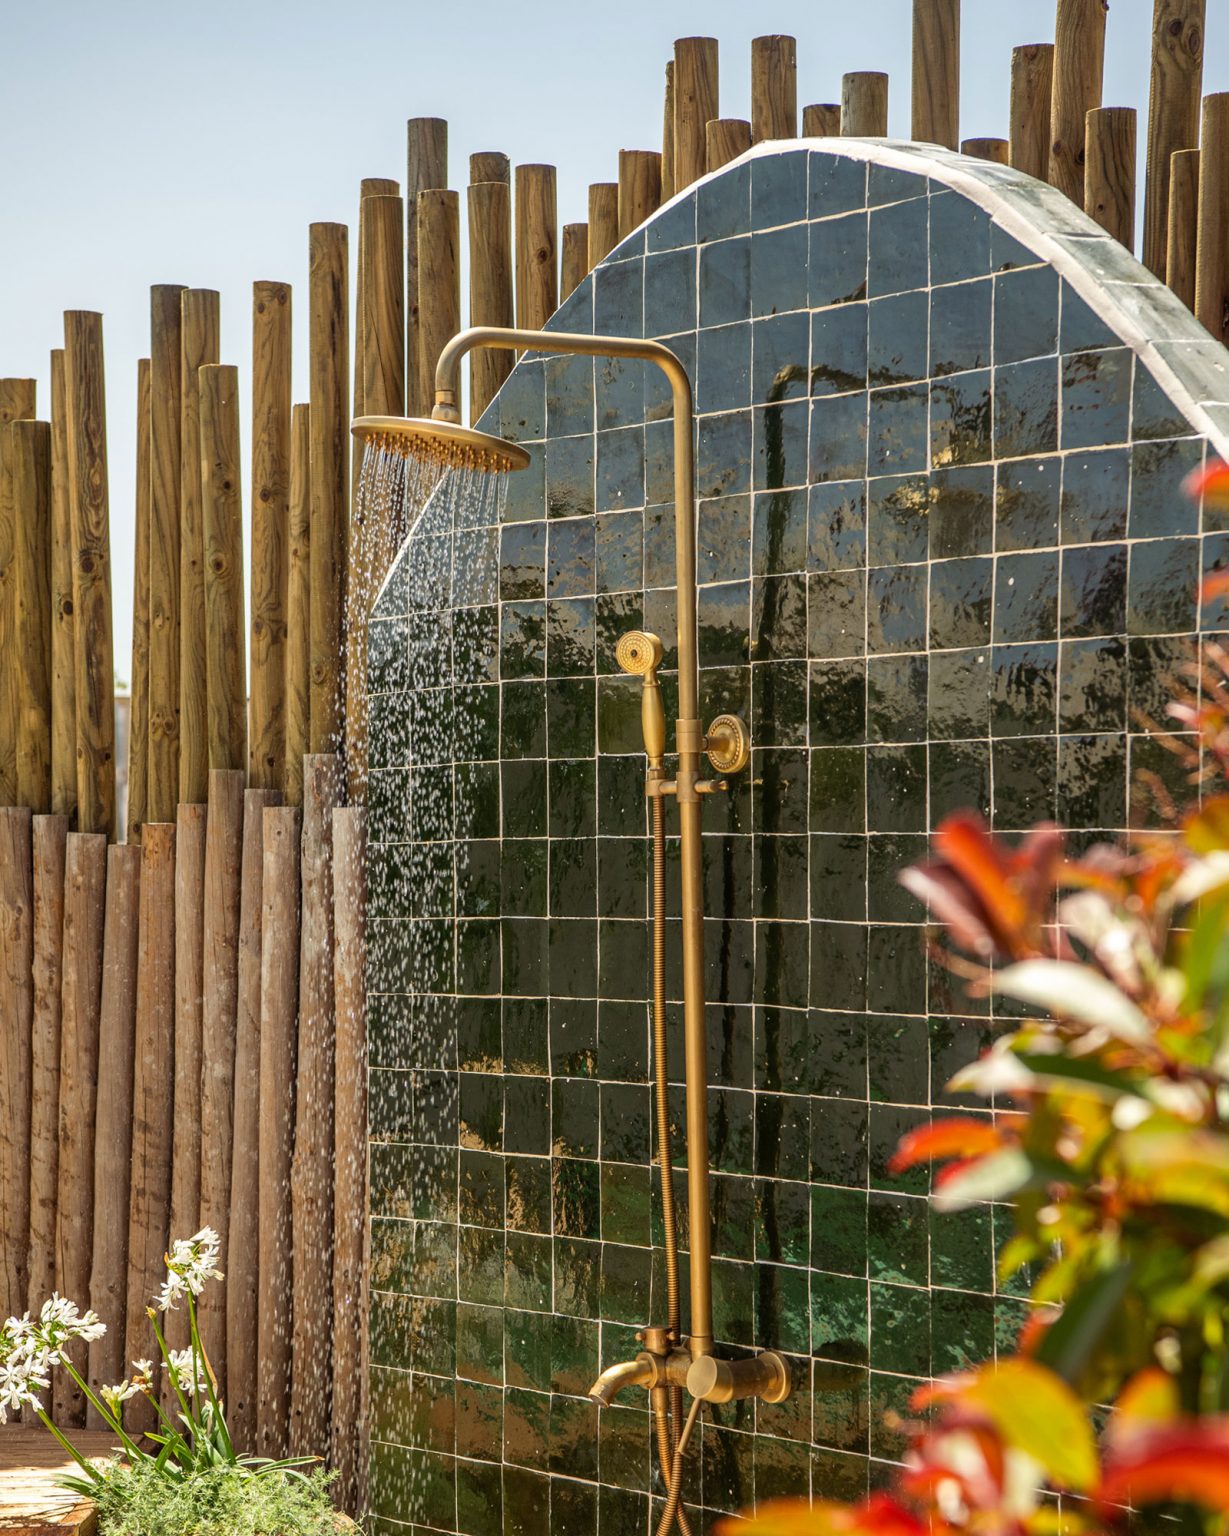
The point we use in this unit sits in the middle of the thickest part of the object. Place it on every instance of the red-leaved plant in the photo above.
(1107, 1129)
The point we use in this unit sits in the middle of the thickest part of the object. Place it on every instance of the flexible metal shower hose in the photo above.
(667, 1425)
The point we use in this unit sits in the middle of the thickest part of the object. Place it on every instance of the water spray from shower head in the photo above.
(442, 442)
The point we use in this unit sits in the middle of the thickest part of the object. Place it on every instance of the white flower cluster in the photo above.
(191, 1262)
(29, 1347)
(188, 1372)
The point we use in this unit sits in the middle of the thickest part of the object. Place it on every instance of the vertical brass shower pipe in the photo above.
(689, 745)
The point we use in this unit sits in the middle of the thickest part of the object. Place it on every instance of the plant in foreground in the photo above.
(192, 1483)
(1107, 1130)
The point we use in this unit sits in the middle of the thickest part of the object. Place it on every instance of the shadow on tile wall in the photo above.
(944, 562)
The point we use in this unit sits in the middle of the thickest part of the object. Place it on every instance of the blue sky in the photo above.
(149, 143)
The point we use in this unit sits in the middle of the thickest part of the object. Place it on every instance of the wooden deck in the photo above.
(30, 1461)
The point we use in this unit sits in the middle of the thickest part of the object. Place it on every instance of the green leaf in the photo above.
(995, 1177)
(1088, 1073)
(1038, 1413)
(1069, 1342)
(1207, 951)
(1067, 990)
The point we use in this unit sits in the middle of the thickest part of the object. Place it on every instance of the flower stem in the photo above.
(87, 1467)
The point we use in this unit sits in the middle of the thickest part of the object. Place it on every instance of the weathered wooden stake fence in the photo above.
(182, 1022)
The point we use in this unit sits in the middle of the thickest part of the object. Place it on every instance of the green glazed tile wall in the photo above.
(943, 562)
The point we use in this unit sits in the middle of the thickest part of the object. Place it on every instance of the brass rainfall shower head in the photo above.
(445, 443)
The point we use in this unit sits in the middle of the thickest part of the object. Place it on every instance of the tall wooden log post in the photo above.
(30, 656)
(603, 220)
(667, 136)
(1173, 112)
(725, 138)
(18, 400)
(381, 326)
(864, 104)
(1183, 225)
(279, 1003)
(821, 120)
(639, 188)
(311, 1184)
(16, 1056)
(271, 315)
(426, 171)
(200, 330)
(49, 836)
(1079, 64)
(85, 882)
(774, 88)
(936, 72)
(439, 276)
(154, 1068)
(165, 464)
(696, 104)
(490, 285)
(138, 716)
(1032, 90)
(1109, 171)
(63, 648)
(243, 1241)
(113, 1117)
(91, 543)
(330, 458)
(189, 976)
(8, 619)
(573, 260)
(298, 604)
(222, 520)
(1212, 252)
(537, 256)
(219, 1016)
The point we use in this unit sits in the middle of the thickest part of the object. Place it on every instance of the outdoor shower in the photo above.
(669, 1361)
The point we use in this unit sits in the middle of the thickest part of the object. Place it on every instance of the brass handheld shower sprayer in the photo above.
(668, 1363)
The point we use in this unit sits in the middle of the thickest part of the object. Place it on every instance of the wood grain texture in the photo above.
(490, 285)
(774, 88)
(1109, 171)
(490, 165)
(864, 104)
(639, 188)
(49, 835)
(667, 135)
(603, 220)
(85, 885)
(165, 466)
(1212, 248)
(1079, 65)
(199, 345)
(1183, 225)
(219, 1019)
(936, 72)
(138, 716)
(31, 1500)
(63, 655)
(189, 973)
(30, 468)
(996, 151)
(271, 359)
(279, 1002)
(725, 138)
(16, 1056)
(243, 1240)
(311, 1184)
(8, 617)
(537, 257)
(153, 1073)
(574, 260)
(330, 458)
(350, 1151)
(94, 666)
(222, 518)
(1173, 113)
(18, 400)
(1032, 90)
(298, 604)
(696, 104)
(821, 120)
(113, 1117)
(426, 170)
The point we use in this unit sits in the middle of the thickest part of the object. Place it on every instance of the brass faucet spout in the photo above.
(640, 1372)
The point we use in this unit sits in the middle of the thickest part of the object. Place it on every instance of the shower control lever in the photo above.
(766, 1375)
